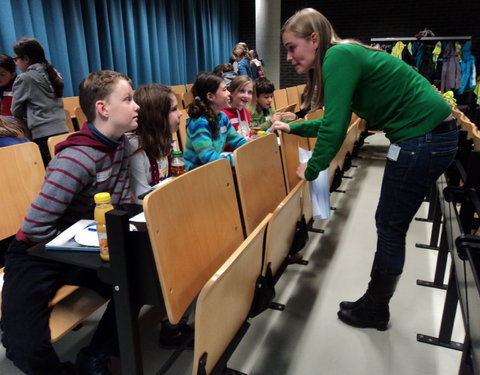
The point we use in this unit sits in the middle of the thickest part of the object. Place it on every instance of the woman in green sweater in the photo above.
(345, 76)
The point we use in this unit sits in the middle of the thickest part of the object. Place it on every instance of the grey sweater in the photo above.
(35, 100)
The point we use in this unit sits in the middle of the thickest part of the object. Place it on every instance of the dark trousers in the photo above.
(43, 145)
(29, 284)
(406, 182)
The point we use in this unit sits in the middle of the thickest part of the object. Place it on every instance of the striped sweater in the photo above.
(85, 164)
(202, 147)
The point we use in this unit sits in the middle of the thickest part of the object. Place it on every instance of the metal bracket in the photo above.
(276, 306)
(466, 242)
(436, 341)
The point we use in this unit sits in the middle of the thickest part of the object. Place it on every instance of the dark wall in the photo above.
(246, 23)
(368, 19)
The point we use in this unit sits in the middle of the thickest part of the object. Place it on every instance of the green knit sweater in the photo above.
(380, 88)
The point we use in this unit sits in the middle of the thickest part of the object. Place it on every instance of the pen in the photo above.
(92, 229)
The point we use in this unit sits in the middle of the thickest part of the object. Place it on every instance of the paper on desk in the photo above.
(319, 189)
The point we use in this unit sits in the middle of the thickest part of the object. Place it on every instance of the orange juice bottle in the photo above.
(103, 205)
(177, 167)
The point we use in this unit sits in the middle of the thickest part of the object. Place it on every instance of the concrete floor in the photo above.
(307, 338)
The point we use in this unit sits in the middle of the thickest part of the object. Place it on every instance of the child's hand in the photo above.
(278, 125)
(288, 116)
(301, 170)
(277, 116)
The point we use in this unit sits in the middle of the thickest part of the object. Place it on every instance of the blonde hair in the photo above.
(303, 23)
(239, 82)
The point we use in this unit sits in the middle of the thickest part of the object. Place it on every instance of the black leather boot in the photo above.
(348, 305)
(371, 310)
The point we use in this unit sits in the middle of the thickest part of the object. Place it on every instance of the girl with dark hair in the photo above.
(7, 77)
(37, 94)
(151, 144)
(345, 76)
(208, 128)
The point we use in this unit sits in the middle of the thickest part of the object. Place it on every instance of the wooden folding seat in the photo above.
(81, 118)
(282, 228)
(178, 89)
(70, 103)
(224, 303)
(182, 130)
(53, 141)
(290, 156)
(22, 178)
(280, 98)
(261, 184)
(68, 121)
(293, 97)
(194, 226)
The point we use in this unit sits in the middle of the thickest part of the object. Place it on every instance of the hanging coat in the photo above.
(451, 74)
(468, 69)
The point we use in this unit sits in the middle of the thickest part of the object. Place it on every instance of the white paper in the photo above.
(319, 189)
(140, 218)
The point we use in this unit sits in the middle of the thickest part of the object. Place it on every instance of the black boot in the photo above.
(371, 311)
(348, 305)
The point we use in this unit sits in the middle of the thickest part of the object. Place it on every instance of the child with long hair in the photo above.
(208, 128)
(37, 94)
(241, 91)
(7, 77)
(11, 132)
(151, 144)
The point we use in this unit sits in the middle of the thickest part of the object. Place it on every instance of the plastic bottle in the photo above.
(177, 167)
(103, 205)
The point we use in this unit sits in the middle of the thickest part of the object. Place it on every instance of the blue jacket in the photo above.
(244, 68)
(467, 67)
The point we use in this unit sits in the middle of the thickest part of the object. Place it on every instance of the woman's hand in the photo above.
(278, 125)
(301, 170)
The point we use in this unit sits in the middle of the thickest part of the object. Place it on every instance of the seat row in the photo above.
(225, 238)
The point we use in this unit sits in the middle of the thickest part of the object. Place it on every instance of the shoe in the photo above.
(90, 363)
(176, 335)
(348, 305)
(371, 310)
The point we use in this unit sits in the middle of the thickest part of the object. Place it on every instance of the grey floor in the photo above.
(307, 338)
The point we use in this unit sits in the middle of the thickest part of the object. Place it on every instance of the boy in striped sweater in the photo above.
(93, 160)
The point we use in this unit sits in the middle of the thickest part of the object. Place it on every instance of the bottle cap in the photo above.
(102, 198)
(177, 154)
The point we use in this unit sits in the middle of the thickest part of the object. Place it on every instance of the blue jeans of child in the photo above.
(406, 181)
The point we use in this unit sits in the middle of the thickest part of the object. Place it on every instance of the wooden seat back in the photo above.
(22, 172)
(53, 141)
(194, 226)
(182, 130)
(178, 89)
(225, 300)
(290, 156)
(81, 118)
(280, 98)
(294, 97)
(70, 103)
(282, 228)
(261, 184)
(69, 121)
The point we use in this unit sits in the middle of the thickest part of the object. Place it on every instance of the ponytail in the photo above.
(34, 51)
(55, 79)
(198, 109)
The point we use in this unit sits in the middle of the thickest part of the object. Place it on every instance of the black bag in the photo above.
(301, 236)
(264, 287)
